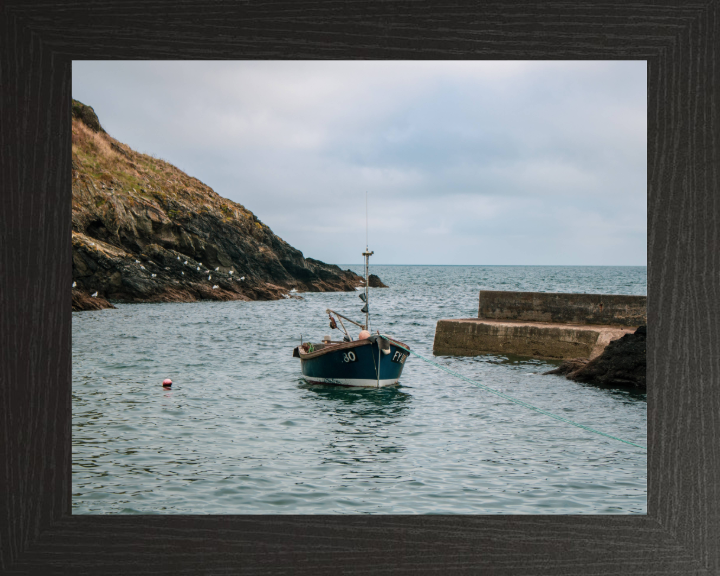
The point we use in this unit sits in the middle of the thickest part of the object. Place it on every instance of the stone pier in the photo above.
(542, 325)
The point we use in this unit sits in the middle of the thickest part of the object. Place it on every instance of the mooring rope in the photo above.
(515, 400)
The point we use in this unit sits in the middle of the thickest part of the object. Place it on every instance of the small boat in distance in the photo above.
(374, 360)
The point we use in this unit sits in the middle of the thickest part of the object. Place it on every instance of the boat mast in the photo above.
(367, 255)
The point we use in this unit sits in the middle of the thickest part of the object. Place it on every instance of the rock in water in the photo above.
(375, 282)
(136, 218)
(569, 366)
(622, 363)
(83, 301)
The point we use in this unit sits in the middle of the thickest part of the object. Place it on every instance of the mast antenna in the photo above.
(367, 255)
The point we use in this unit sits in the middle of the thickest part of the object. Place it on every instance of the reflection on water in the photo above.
(380, 401)
(365, 427)
(629, 395)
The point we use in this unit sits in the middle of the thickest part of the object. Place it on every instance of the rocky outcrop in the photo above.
(570, 366)
(622, 363)
(86, 115)
(375, 282)
(83, 301)
(144, 231)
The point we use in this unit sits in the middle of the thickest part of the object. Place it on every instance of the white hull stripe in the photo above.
(352, 381)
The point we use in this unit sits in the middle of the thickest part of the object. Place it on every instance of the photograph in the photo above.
(387, 287)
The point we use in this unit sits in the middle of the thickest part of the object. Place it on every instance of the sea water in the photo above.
(241, 433)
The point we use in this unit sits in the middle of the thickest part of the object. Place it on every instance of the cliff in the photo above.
(144, 231)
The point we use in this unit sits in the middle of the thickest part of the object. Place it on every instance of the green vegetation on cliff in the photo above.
(144, 231)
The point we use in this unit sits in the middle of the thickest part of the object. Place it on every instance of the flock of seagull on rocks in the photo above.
(215, 286)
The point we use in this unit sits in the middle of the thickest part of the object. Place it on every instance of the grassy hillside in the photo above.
(145, 231)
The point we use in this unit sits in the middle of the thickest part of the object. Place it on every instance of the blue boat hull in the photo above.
(361, 363)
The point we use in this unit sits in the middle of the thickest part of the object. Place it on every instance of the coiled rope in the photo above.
(515, 400)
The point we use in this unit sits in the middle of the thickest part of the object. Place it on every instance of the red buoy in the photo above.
(167, 383)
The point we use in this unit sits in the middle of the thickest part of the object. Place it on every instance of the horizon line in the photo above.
(512, 265)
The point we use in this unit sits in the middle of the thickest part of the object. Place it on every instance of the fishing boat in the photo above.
(374, 360)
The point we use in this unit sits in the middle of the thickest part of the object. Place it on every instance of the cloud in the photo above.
(464, 162)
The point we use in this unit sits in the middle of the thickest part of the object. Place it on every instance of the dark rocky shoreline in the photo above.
(622, 363)
(144, 231)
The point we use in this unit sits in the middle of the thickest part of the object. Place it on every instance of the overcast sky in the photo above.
(462, 162)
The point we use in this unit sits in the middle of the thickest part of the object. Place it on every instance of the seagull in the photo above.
(185, 261)
(198, 268)
(94, 295)
(137, 261)
(209, 277)
(293, 290)
(216, 286)
(143, 267)
(218, 268)
(183, 273)
(153, 275)
(92, 243)
(74, 284)
(231, 272)
(243, 278)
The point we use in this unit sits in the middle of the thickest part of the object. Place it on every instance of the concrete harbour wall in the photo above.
(541, 325)
(603, 309)
(471, 337)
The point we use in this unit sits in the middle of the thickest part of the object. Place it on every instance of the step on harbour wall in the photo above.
(472, 337)
(541, 325)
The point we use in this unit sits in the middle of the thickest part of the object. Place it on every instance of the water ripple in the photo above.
(241, 433)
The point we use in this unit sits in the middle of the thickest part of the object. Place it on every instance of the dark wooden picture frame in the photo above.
(681, 532)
